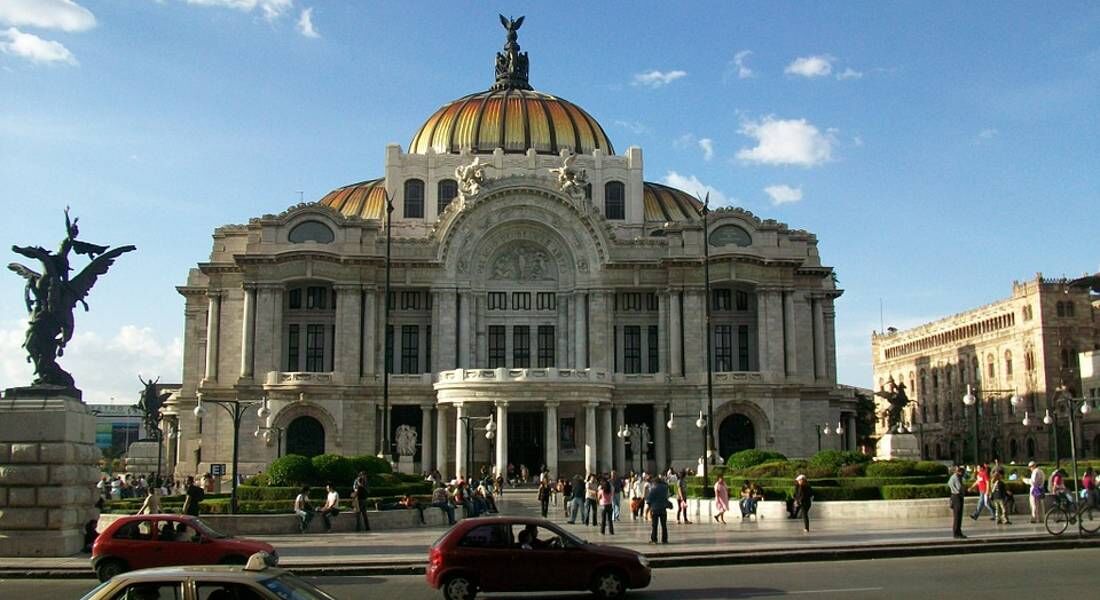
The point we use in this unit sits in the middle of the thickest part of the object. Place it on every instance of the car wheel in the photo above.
(459, 587)
(609, 584)
(107, 569)
(233, 560)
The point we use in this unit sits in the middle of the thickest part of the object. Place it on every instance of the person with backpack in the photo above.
(577, 504)
(997, 496)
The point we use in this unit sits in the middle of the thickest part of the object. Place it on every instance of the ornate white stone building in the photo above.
(536, 277)
(1028, 344)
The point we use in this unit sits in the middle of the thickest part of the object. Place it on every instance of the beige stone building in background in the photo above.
(1028, 344)
(537, 278)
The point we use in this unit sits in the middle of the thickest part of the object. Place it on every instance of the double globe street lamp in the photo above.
(490, 430)
(236, 409)
(970, 399)
(824, 429)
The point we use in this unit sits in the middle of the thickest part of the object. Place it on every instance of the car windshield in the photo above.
(208, 531)
(569, 538)
(95, 590)
(291, 587)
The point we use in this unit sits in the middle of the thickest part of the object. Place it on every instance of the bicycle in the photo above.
(1068, 511)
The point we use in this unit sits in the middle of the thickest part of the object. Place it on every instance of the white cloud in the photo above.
(988, 134)
(633, 127)
(34, 48)
(849, 73)
(743, 72)
(707, 145)
(811, 66)
(104, 367)
(786, 142)
(65, 15)
(305, 24)
(783, 194)
(656, 79)
(693, 186)
(271, 9)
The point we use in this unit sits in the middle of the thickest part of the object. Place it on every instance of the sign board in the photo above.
(217, 469)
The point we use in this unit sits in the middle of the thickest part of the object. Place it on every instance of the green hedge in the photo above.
(750, 458)
(884, 481)
(833, 460)
(911, 492)
(892, 468)
(289, 470)
(827, 493)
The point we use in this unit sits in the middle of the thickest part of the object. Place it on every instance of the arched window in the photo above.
(923, 384)
(414, 199)
(1060, 308)
(1008, 364)
(448, 190)
(935, 379)
(1030, 448)
(1013, 449)
(311, 231)
(614, 200)
(1069, 308)
(991, 366)
(976, 368)
(730, 235)
(1029, 360)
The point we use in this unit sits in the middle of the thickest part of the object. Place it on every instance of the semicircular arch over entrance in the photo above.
(305, 436)
(735, 433)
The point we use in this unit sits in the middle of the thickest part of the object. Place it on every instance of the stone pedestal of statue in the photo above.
(48, 471)
(405, 464)
(897, 446)
(141, 458)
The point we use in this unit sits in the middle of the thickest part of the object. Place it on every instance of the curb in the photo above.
(675, 559)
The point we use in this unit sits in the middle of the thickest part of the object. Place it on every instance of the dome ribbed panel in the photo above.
(488, 135)
(663, 203)
(515, 132)
(365, 199)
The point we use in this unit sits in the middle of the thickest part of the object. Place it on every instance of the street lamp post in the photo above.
(708, 450)
(1063, 396)
(236, 410)
(269, 432)
(387, 350)
(1052, 422)
(490, 433)
(971, 399)
(702, 424)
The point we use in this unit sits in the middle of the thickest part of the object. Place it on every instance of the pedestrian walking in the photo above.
(682, 501)
(657, 500)
(981, 484)
(1088, 484)
(1035, 483)
(576, 506)
(591, 505)
(637, 497)
(803, 500)
(360, 490)
(544, 497)
(303, 509)
(151, 506)
(957, 490)
(617, 492)
(331, 507)
(997, 496)
(605, 495)
(193, 496)
(721, 500)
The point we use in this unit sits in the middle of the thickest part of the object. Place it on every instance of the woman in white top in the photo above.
(303, 509)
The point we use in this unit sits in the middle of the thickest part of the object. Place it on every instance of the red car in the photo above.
(517, 554)
(147, 541)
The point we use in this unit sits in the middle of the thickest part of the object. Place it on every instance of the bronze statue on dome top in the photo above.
(511, 68)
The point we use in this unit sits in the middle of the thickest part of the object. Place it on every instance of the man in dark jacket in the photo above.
(657, 499)
(195, 495)
(360, 489)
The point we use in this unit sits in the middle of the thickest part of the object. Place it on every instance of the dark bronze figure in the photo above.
(150, 404)
(894, 393)
(52, 295)
(511, 68)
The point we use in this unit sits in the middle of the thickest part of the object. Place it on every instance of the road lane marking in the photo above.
(838, 590)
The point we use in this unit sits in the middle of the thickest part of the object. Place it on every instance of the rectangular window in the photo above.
(742, 347)
(632, 349)
(498, 301)
(546, 301)
(721, 299)
(521, 300)
(428, 349)
(654, 350)
(294, 299)
(631, 301)
(742, 300)
(546, 346)
(293, 335)
(410, 349)
(316, 298)
(723, 348)
(410, 300)
(389, 348)
(651, 303)
(315, 348)
(497, 347)
(521, 347)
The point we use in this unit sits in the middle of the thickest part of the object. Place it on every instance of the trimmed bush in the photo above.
(772, 468)
(372, 465)
(290, 470)
(750, 458)
(827, 493)
(833, 460)
(928, 467)
(892, 468)
(856, 482)
(912, 492)
(334, 469)
(259, 479)
(852, 470)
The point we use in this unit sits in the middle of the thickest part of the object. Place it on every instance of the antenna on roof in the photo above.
(301, 196)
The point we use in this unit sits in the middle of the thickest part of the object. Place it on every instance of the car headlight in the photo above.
(643, 561)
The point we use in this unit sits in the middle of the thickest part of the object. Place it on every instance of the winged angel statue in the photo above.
(52, 295)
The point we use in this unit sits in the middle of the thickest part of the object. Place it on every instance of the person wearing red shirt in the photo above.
(981, 483)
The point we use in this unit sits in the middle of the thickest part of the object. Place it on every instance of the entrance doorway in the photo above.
(305, 436)
(526, 441)
(736, 433)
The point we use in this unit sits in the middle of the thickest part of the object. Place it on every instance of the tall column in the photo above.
(346, 344)
(662, 332)
(600, 345)
(660, 431)
(460, 440)
(480, 356)
(439, 333)
(464, 303)
(562, 361)
(620, 443)
(268, 343)
(213, 329)
(426, 436)
(589, 438)
(819, 339)
(675, 359)
(502, 438)
(851, 433)
(762, 332)
(441, 439)
(248, 331)
(370, 331)
(581, 321)
(552, 438)
(790, 339)
(774, 301)
(276, 350)
(605, 437)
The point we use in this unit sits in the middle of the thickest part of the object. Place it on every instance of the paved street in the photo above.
(1064, 574)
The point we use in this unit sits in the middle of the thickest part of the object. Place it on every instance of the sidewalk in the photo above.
(764, 540)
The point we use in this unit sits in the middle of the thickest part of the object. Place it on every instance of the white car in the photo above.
(254, 581)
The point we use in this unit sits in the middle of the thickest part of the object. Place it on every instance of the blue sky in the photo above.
(938, 150)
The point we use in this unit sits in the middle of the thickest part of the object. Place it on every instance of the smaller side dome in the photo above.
(366, 199)
(666, 204)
